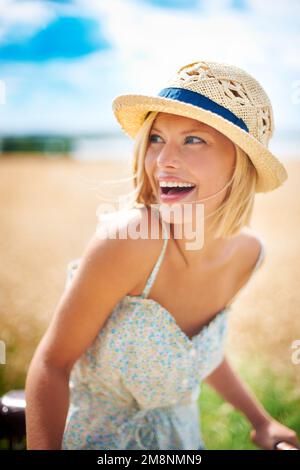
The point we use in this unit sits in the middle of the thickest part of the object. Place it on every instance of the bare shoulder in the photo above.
(129, 231)
(108, 270)
(248, 249)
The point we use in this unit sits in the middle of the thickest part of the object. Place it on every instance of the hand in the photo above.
(270, 432)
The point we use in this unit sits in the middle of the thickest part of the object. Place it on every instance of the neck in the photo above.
(196, 242)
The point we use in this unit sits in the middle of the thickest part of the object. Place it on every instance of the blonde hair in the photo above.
(236, 209)
(233, 213)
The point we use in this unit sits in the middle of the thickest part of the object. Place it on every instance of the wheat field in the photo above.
(48, 213)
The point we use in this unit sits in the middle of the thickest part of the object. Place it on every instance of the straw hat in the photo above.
(222, 96)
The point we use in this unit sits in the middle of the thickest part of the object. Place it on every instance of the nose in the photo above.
(168, 156)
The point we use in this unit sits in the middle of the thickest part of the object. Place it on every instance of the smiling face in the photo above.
(192, 152)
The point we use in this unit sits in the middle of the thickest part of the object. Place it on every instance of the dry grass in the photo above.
(48, 213)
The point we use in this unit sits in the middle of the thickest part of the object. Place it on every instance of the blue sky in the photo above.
(63, 62)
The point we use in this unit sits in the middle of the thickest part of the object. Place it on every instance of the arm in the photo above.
(98, 285)
(47, 402)
(267, 431)
(227, 383)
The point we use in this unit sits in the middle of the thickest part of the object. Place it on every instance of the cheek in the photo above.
(202, 165)
(210, 173)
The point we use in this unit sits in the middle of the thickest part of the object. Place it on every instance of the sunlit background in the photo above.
(61, 65)
(62, 62)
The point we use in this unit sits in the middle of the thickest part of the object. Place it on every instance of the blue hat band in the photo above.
(201, 101)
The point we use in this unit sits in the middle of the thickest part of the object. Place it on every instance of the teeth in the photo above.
(174, 184)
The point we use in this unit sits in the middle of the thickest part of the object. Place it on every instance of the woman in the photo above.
(143, 322)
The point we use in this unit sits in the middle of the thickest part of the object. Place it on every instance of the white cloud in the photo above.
(275, 8)
(61, 96)
(154, 42)
(23, 19)
(134, 27)
(149, 44)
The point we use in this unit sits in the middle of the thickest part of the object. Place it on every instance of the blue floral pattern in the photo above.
(137, 386)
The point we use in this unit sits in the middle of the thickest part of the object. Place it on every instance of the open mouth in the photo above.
(176, 190)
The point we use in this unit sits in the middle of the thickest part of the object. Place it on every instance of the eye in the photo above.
(151, 137)
(195, 137)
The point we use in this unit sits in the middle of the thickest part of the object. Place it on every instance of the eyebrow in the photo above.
(196, 129)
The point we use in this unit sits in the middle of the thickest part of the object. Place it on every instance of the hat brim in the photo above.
(131, 110)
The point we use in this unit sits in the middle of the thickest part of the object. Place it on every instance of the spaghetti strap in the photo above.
(73, 265)
(154, 272)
